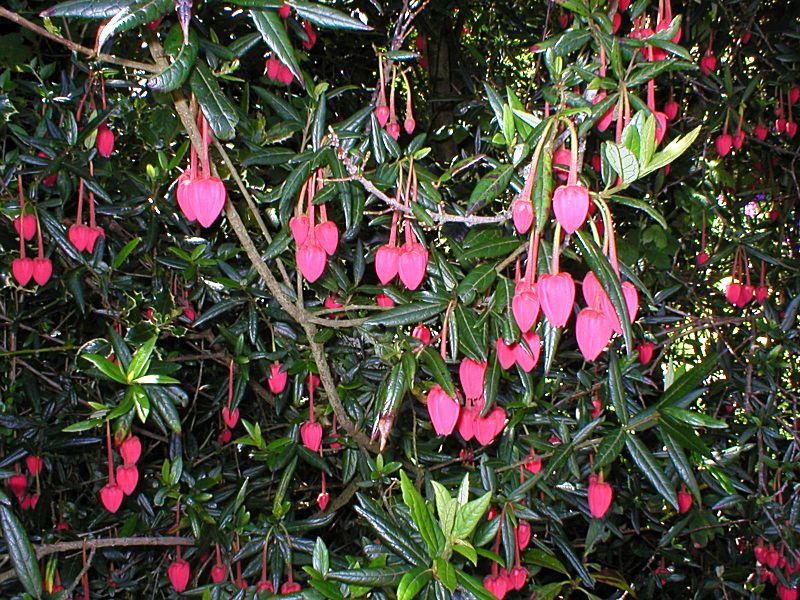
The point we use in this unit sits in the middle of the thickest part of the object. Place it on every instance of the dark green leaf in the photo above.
(650, 468)
(543, 186)
(491, 383)
(489, 247)
(87, 9)
(221, 114)
(165, 407)
(19, 549)
(490, 187)
(399, 541)
(643, 206)
(138, 13)
(438, 368)
(217, 309)
(689, 381)
(560, 540)
(473, 586)
(791, 314)
(681, 463)
(471, 337)
(609, 448)
(271, 28)
(616, 390)
(406, 314)
(478, 280)
(320, 558)
(571, 41)
(173, 77)
(325, 16)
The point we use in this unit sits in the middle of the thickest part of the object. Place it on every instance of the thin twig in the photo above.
(87, 565)
(75, 47)
(438, 217)
(128, 542)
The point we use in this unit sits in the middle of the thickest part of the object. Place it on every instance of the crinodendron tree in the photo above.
(399, 299)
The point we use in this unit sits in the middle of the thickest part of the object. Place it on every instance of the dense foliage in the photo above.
(290, 306)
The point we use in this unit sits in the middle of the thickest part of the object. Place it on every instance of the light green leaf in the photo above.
(156, 380)
(466, 550)
(673, 150)
(140, 363)
(446, 573)
(422, 516)
(470, 515)
(125, 252)
(412, 583)
(106, 367)
(622, 160)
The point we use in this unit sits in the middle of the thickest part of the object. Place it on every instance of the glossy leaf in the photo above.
(176, 74)
(270, 26)
(412, 583)
(87, 9)
(325, 16)
(490, 187)
(221, 114)
(106, 367)
(406, 314)
(134, 15)
(19, 549)
(436, 365)
(651, 469)
(422, 515)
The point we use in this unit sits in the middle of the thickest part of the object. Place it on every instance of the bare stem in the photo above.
(75, 47)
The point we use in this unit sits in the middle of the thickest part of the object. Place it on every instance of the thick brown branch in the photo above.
(74, 46)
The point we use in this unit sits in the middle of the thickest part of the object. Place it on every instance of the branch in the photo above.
(127, 542)
(251, 205)
(74, 46)
(441, 217)
(298, 314)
